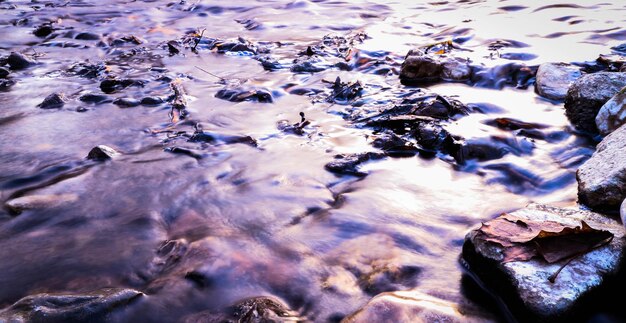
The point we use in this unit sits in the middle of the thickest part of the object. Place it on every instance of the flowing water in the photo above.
(246, 220)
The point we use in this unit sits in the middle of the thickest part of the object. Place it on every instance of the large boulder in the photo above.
(602, 179)
(612, 115)
(586, 96)
(553, 79)
(533, 289)
(88, 307)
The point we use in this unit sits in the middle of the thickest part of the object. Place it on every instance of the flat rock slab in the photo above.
(602, 178)
(524, 285)
(88, 307)
(553, 79)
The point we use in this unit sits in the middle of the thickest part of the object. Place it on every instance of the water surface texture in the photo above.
(198, 225)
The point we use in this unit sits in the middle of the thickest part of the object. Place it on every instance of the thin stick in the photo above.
(198, 41)
(221, 78)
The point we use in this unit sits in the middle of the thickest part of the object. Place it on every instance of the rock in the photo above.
(263, 309)
(524, 286)
(348, 164)
(553, 79)
(410, 306)
(113, 85)
(612, 114)
(95, 98)
(17, 205)
(602, 179)
(52, 101)
(126, 102)
(151, 101)
(102, 152)
(6, 83)
(3, 73)
(94, 306)
(241, 94)
(419, 68)
(87, 36)
(586, 96)
(43, 30)
(456, 69)
(18, 61)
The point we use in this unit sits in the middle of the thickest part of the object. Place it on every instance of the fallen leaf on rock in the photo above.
(524, 239)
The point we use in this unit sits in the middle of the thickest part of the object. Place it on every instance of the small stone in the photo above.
(151, 101)
(18, 61)
(52, 101)
(525, 287)
(588, 94)
(43, 30)
(20, 204)
(95, 98)
(612, 115)
(419, 68)
(87, 36)
(6, 83)
(3, 73)
(602, 178)
(102, 152)
(553, 79)
(126, 102)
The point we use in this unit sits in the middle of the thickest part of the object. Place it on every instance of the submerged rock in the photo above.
(18, 61)
(612, 115)
(420, 68)
(525, 286)
(602, 179)
(94, 306)
(410, 306)
(3, 73)
(241, 94)
(102, 152)
(126, 102)
(586, 96)
(553, 79)
(17, 205)
(348, 164)
(263, 309)
(52, 101)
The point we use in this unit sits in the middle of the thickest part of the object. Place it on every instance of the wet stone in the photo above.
(94, 306)
(87, 36)
(524, 286)
(151, 101)
(19, 61)
(88, 70)
(5, 84)
(553, 79)
(3, 73)
(102, 152)
(588, 94)
(43, 30)
(113, 85)
(126, 102)
(612, 114)
(95, 98)
(241, 94)
(419, 68)
(602, 178)
(52, 101)
(349, 164)
(263, 309)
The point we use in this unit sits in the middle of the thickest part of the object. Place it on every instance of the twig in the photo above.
(193, 49)
(221, 78)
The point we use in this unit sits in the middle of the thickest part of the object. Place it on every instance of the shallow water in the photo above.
(269, 220)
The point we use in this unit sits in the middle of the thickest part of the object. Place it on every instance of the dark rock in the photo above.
(602, 179)
(242, 94)
(102, 152)
(524, 286)
(215, 138)
(95, 98)
(511, 74)
(553, 79)
(87, 36)
(185, 151)
(6, 83)
(151, 101)
(295, 128)
(240, 46)
(95, 306)
(348, 164)
(43, 30)
(612, 114)
(89, 70)
(126, 102)
(52, 101)
(113, 85)
(306, 64)
(18, 61)
(3, 73)
(456, 69)
(419, 68)
(345, 92)
(586, 96)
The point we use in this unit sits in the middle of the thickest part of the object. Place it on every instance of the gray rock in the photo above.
(17, 205)
(612, 115)
(102, 152)
(524, 286)
(602, 179)
(553, 79)
(87, 307)
(52, 101)
(412, 306)
(126, 102)
(18, 61)
(586, 96)
(456, 69)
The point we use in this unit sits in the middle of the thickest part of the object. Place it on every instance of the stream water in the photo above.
(245, 220)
